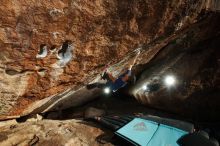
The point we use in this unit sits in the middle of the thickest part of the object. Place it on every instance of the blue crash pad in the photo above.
(148, 133)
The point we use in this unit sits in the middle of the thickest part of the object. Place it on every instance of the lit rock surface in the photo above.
(101, 32)
(50, 133)
(192, 59)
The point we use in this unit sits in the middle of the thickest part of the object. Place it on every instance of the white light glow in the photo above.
(107, 90)
(144, 87)
(170, 80)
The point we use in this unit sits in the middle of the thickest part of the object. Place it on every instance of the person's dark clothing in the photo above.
(114, 86)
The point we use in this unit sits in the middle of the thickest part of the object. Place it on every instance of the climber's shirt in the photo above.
(119, 83)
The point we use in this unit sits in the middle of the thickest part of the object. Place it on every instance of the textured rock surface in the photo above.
(50, 133)
(101, 31)
(193, 59)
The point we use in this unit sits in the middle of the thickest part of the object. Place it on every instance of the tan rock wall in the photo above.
(50, 133)
(101, 31)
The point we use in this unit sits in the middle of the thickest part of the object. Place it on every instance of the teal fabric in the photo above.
(166, 136)
(139, 130)
(148, 133)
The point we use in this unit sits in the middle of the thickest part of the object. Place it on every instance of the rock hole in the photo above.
(22, 119)
(64, 48)
(65, 53)
(53, 48)
(13, 127)
(11, 72)
(42, 52)
(33, 117)
(42, 70)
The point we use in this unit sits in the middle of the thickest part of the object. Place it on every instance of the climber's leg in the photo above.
(95, 85)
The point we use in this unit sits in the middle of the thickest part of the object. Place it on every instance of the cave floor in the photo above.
(114, 105)
(125, 105)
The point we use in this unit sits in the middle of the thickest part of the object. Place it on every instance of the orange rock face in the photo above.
(101, 32)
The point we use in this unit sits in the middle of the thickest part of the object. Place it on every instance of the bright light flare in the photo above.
(107, 90)
(144, 87)
(170, 80)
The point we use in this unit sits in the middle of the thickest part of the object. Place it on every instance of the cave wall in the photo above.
(193, 59)
(101, 32)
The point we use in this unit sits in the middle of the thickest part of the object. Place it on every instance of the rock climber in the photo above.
(113, 84)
